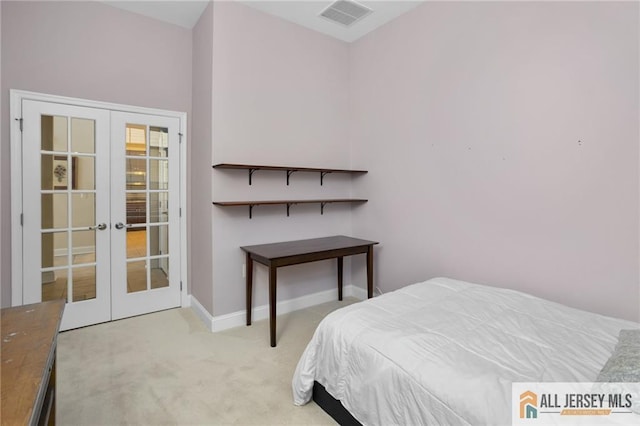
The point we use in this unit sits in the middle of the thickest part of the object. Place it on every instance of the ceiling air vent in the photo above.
(345, 12)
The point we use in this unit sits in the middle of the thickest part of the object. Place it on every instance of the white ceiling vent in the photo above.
(345, 12)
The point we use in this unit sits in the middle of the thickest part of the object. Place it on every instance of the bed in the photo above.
(446, 352)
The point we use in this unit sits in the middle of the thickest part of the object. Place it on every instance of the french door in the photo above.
(100, 194)
(144, 210)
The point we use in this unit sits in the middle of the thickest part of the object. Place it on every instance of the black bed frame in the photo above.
(332, 406)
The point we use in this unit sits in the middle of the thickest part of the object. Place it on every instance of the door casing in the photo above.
(17, 257)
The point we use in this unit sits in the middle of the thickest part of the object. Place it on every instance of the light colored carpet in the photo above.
(166, 368)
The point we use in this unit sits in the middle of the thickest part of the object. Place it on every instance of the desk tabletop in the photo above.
(28, 341)
(301, 247)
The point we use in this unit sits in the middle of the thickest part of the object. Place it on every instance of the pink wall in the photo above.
(280, 96)
(501, 138)
(87, 50)
(199, 180)
(502, 143)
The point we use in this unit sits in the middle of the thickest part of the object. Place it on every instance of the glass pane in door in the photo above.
(136, 173)
(159, 141)
(53, 133)
(54, 209)
(84, 244)
(159, 272)
(158, 174)
(82, 136)
(50, 257)
(55, 263)
(136, 276)
(136, 140)
(54, 285)
(159, 240)
(159, 207)
(136, 243)
(83, 206)
(68, 242)
(85, 170)
(84, 283)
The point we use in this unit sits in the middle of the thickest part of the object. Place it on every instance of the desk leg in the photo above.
(340, 267)
(249, 273)
(370, 272)
(272, 304)
(52, 384)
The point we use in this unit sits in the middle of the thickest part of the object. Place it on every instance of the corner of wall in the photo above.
(200, 224)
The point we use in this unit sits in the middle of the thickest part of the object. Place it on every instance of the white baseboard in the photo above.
(202, 313)
(358, 292)
(237, 319)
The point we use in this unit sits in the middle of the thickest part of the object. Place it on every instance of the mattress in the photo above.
(447, 351)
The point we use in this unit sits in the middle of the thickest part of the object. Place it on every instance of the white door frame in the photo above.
(16, 97)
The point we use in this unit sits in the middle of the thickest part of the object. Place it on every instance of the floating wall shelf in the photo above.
(289, 170)
(288, 203)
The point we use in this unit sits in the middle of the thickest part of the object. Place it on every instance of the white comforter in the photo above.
(447, 351)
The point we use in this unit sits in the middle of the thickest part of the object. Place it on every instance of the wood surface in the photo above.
(29, 335)
(275, 255)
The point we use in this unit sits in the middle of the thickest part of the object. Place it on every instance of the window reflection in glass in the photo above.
(136, 276)
(136, 139)
(159, 272)
(159, 240)
(159, 207)
(83, 283)
(83, 209)
(53, 133)
(83, 135)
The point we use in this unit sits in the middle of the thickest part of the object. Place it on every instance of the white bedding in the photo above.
(446, 352)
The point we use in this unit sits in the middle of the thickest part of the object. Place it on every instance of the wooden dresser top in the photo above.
(28, 346)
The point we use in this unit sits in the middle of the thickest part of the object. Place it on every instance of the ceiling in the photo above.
(183, 13)
(302, 12)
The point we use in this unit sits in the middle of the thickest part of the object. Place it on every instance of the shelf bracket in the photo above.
(289, 173)
(322, 207)
(288, 206)
(322, 175)
(251, 174)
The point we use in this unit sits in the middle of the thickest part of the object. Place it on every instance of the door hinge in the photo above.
(180, 137)
(21, 121)
(180, 285)
(21, 219)
(180, 212)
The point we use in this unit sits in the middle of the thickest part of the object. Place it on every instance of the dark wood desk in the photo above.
(302, 251)
(29, 337)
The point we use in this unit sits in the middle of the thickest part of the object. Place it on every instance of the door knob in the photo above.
(119, 225)
(100, 227)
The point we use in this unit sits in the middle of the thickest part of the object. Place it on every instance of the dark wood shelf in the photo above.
(251, 168)
(288, 203)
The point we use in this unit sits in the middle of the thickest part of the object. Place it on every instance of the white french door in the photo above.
(100, 206)
(66, 247)
(145, 210)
